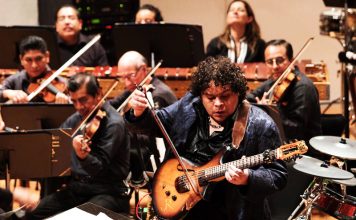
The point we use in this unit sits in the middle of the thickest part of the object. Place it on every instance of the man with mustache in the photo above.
(99, 165)
(70, 40)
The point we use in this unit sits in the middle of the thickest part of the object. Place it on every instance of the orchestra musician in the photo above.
(34, 58)
(299, 106)
(241, 40)
(132, 68)
(148, 14)
(100, 165)
(201, 123)
(71, 40)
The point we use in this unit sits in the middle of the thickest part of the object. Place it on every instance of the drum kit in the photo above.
(327, 192)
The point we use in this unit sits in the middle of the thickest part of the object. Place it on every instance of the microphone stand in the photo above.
(345, 72)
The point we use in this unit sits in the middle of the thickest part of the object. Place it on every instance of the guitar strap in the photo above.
(238, 131)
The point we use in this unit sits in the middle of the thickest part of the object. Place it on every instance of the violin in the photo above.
(283, 85)
(48, 94)
(93, 125)
(91, 122)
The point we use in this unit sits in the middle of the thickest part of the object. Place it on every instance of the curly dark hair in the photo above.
(222, 72)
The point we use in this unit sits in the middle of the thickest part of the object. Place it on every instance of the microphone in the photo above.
(347, 57)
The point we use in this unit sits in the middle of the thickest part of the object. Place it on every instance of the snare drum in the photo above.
(328, 202)
(347, 209)
(331, 22)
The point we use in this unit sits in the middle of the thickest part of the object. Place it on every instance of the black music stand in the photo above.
(11, 36)
(35, 115)
(36, 153)
(340, 3)
(178, 45)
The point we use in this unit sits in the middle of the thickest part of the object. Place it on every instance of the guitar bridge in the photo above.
(181, 184)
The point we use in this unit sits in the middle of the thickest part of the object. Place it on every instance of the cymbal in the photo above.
(349, 182)
(335, 146)
(315, 167)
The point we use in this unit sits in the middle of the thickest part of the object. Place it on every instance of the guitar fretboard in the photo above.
(245, 162)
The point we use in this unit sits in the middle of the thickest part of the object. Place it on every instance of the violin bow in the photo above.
(63, 67)
(289, 68)
(82, 123)
(139, 85)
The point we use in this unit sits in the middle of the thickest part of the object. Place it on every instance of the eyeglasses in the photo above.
(130, 75)
(277, 60)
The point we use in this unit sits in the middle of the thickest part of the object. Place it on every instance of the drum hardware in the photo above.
(317, 195)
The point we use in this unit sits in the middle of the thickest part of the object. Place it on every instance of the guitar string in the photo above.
(256, 158)
(200, 173)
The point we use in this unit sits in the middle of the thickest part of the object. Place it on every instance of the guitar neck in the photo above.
(243, 163)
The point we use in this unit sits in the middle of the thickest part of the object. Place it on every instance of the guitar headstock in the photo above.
(292, 150)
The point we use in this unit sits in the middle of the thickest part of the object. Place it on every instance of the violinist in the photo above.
(298, 103)
(34, 58)
(132, 68)
(201, 123)
(99, 165)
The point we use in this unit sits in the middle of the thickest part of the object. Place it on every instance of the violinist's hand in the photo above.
(81, 147)
(62, 98)
(15, 96)
(138, 102)
(263, 100)
(24, 196)
(237, 176)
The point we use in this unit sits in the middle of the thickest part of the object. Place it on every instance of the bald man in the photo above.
(132, 68)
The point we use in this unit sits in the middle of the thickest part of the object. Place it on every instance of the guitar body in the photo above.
(173, 194)
(168, 198)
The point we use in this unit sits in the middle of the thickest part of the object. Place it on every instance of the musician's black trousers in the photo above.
(226, 202)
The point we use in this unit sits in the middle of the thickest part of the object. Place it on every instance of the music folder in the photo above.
(36, 153)
(178, 45)
(11, 36)
(31, 116)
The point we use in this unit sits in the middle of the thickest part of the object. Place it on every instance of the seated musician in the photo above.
(201, 124)
(148, 14)
(132, 68)
(241, 40)
(100, 165)
(299, 106)
(71, 40)
(34, 58)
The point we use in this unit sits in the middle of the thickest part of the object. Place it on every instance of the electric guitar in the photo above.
(173, 194)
